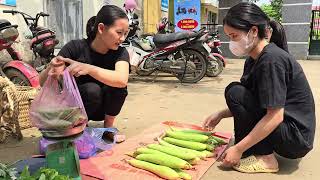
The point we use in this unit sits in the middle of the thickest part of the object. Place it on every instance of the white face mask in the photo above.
(242, 47)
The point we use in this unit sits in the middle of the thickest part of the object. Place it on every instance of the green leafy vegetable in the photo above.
(42, 174)
(7, 173)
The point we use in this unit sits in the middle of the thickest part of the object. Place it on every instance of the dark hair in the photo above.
(107, 15)
(90, 28)
(244, 16)
(278, 35)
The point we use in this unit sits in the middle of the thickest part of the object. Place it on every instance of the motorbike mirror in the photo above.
(44, 14)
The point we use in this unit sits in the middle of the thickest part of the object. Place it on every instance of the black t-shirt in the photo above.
(80, 50)
(277, 81)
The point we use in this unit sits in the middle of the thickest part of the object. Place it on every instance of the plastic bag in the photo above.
(88, 144)
(58, 107)
(97, 133)
(134, 57)
(84, 144)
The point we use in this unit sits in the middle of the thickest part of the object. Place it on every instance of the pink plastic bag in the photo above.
(58, 109)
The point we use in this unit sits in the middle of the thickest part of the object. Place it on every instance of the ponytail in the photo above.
(278, 35)
(90, 30)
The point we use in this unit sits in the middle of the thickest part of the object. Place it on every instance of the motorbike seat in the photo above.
(4, 23)
(41, 36)
(161, 39)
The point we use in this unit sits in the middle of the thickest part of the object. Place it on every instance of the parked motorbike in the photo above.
(43, 40)
(16, 70)
(215, 62)
(171, 55)
(165, 53)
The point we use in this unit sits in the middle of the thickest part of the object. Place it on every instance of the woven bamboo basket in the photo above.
(25, 95)
(15, 110)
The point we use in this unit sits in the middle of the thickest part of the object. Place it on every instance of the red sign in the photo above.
(187, 24)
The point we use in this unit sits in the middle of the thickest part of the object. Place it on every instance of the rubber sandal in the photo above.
(252, 165)
(119, 138)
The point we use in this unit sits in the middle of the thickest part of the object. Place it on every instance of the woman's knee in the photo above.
(114, 99)
(90, 90)
(233, 91)
(115, 92)
(91, 95)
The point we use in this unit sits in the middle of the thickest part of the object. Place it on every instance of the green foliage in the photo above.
(42, 174)
(274, 9)
(7, 173)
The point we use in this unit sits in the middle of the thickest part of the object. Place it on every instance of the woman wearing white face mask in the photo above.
(272, 105)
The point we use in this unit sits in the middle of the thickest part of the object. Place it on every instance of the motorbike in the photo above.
(169, 52)
(16, 70)
(171, 55)
(215, 61)
(216, 64)
(43, 42)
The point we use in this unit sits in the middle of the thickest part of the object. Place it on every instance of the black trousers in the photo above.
(286, 140)
(100, 100)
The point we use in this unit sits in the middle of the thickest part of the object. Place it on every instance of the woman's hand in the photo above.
(231, 156)
(57, 67)
(212, 121)
(77, 68)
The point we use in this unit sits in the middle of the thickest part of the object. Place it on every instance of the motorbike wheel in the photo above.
(215, 67)
(144, 73)
(200, 64)
(17, 77)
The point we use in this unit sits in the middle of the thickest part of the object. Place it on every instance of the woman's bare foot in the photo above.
(269, 161)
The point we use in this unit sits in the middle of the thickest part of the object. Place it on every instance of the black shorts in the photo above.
(100, 100)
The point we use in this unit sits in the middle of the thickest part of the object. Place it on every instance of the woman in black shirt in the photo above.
(272, 105)
(100, 66)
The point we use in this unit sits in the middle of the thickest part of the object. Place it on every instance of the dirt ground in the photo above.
(167, 99)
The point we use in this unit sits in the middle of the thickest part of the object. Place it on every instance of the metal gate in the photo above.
(314, 45)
